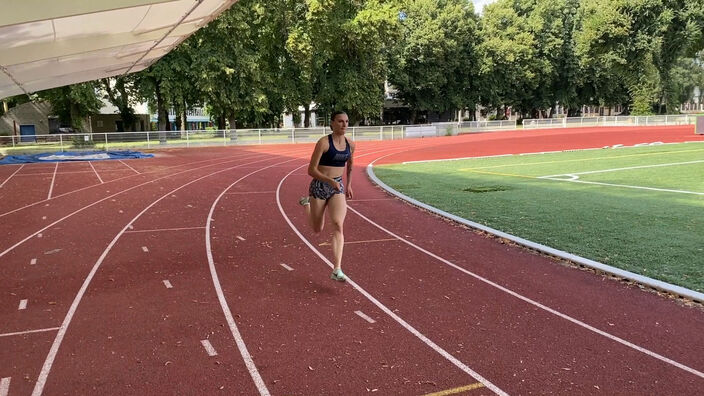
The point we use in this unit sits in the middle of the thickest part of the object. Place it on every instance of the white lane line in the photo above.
(145, 249)
(97, 202)
(248, 361)
(53, 178)
(135, 171)
(240, 238)
(32, 261)
(286, 267)
(5, 386)
(10, 177)
(166, 229)
(459, 364)
(208, 348)
(250, 192)
(535, 303)
(28, 332)
(232, 158)
(49, 361)
(371, 199)
(365, 317)
(96, 172)
(23, 305)
(167, 284)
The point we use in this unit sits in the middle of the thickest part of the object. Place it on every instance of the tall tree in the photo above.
(434, 65)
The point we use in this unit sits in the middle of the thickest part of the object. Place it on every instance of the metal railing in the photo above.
(566, 122)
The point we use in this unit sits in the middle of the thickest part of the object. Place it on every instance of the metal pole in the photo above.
(381, 133)
(293, 135)
(260, 135)
(188, 140)
(106, 141)
(148, 139)
(61, 142)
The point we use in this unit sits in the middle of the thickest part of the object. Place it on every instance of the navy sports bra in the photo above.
(333, 157)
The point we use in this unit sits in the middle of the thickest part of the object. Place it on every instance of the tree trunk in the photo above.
(413, 117)
(184, 118)
(161, 112)
(306, 115)
(221, 122)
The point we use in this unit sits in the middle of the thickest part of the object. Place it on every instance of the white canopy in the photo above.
(47, 44)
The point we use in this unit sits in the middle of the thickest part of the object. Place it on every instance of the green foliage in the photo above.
(434, 66)
(72, 103)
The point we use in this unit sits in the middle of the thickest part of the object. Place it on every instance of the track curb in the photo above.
(638, 279)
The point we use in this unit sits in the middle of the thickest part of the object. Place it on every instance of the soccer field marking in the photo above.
(456, 390)
(427, 341)
(10, 177)
(537, 304)
(621, 169)
(627, 186)
(581, 159)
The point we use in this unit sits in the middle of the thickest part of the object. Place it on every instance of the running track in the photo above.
(194, 273)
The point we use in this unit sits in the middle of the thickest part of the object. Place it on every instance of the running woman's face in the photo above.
(339, 125)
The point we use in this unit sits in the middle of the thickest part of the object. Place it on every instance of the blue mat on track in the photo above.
(73, 156)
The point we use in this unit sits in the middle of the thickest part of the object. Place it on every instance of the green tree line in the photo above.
(262, 58)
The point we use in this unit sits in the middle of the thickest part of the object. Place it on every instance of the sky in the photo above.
(479, 4)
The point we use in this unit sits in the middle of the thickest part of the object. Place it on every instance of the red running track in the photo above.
(194, 273)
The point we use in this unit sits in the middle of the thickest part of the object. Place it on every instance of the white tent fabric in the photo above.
(47, 44)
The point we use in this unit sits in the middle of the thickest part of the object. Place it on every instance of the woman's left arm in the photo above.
(349, 171)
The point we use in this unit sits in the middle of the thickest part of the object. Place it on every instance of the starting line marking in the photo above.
(53, 178)
(208, 348)
(456, 390)
(23, 304)
(4, 386)
(167, 284)
(365, 317)
(29, 332)
(135, 171)
(145, 249)
(240, 238)
(18, 169)
(287, 267)
(96, 172)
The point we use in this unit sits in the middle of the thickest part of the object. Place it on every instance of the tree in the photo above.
(72, 103)
(434, 65)
(121, 93)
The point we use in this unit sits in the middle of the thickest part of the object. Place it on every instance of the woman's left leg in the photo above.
(337, 209)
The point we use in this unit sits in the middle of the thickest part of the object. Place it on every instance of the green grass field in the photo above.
(637, 208)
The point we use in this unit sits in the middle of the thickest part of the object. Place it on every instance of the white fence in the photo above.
(608, 121)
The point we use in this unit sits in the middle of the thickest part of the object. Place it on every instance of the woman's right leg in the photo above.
(316, 214)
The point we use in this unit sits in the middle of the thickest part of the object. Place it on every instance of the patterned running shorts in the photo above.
(321, 190)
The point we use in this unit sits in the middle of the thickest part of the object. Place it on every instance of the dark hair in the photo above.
(335, 114)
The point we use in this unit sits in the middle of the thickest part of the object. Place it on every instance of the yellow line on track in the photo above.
(457, 390)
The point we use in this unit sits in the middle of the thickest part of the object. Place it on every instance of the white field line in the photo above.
(627, 186)
(232, 158)
(95, 171)
(286, 267)
(28, 332)
(53, 178)
(46, 368)
(621, 169)
(364, 316)
(504, 289)
(383, 307)
(135, 171)
(10, 177)
(101, 200)
(244, 352)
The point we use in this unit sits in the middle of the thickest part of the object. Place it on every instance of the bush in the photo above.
(80, 141)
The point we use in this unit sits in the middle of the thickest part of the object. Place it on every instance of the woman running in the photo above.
(327, 164)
